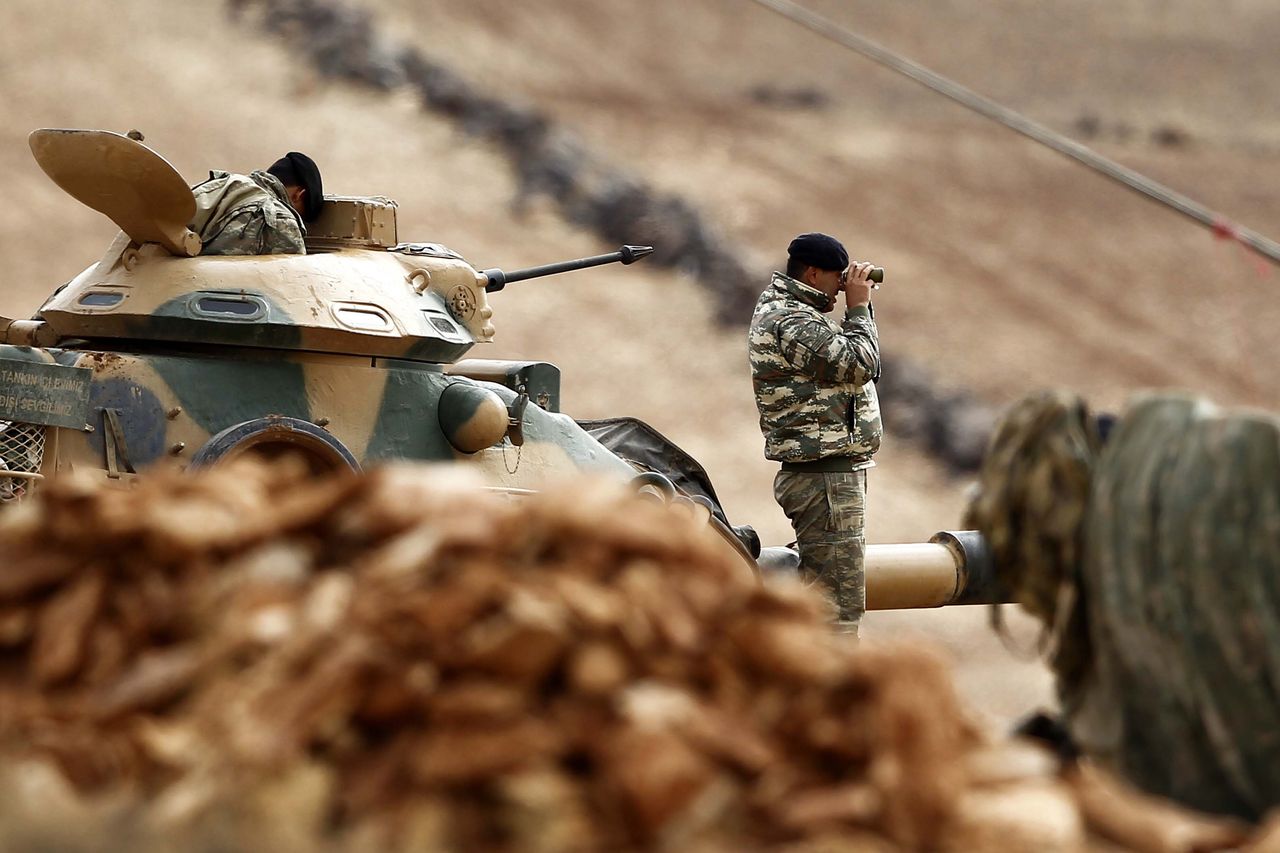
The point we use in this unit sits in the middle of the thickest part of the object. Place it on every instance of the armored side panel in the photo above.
(121, 413)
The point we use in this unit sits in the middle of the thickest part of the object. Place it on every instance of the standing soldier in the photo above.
(819, 412)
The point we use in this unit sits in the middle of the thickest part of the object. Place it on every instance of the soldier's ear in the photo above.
(297, 197)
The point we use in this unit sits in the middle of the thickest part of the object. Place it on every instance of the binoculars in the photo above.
(876, 275)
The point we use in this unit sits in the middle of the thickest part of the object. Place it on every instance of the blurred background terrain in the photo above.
(1009, 267)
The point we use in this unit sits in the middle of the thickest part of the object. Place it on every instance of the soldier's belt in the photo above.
(830, 465)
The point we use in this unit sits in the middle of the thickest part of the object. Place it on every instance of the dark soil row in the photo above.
(342, 42)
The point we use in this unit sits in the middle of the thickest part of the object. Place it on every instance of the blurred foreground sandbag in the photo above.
(247, 659)
(1154, 562)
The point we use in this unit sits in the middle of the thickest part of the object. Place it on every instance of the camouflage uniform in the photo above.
(1153, 561)
(814, 388)
(246, 215)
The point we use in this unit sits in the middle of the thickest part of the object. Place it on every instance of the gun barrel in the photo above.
(953, 567)
(499, 279)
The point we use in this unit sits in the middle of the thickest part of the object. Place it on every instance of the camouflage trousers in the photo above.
(827, 512)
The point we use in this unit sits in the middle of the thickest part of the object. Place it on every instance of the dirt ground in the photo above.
(1009, 268)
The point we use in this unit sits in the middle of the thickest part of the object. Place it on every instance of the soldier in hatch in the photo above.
(259, 214)
(819, 412)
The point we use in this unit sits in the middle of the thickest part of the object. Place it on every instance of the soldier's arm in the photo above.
(255, 231)
(816, 350)
(281, 234)
(239, 234)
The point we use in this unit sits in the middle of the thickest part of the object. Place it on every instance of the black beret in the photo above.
(296, 169)
(819, 250)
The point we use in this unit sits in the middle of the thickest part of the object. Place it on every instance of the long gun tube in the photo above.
(954, 567)
(626, 255)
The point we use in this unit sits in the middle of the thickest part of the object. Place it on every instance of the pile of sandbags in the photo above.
(250, 659)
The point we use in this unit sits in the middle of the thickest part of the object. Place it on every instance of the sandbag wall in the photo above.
(249, 659)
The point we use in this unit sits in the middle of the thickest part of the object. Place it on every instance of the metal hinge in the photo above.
(113, 442)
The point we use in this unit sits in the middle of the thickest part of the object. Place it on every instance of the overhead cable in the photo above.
(1216, 222)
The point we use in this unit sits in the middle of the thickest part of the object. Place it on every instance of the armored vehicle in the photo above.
(349, 354)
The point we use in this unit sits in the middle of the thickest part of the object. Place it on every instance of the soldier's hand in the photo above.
(857, 289)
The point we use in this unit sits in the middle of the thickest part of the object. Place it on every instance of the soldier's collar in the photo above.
(803, 292)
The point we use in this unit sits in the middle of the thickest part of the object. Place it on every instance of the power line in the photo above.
(1216, 222)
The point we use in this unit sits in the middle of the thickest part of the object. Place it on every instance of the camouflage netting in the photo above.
(342, 42)
(1155, 564)
(246, 660)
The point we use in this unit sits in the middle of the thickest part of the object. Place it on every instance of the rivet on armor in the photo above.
(178, 448)
(173, 413)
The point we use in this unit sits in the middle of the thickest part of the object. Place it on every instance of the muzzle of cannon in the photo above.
(953, 567)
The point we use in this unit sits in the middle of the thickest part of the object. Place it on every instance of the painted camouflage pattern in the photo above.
(828, 513)
(169, 406)
(246, 215)
(814, 378)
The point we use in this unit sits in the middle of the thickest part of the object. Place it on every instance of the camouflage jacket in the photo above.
(246, 215)
(813, 378)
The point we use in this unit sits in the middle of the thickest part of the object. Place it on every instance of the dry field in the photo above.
(1009, 268)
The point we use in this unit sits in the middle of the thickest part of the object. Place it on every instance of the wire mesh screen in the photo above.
(21, 450)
